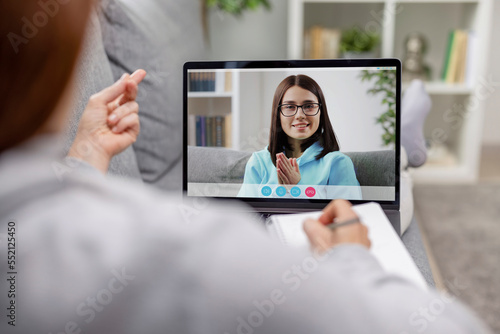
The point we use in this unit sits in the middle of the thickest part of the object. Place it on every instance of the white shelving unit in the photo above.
(220, 103)
(210, 94)
(456, 119)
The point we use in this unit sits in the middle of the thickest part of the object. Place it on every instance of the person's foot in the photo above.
(415, 106)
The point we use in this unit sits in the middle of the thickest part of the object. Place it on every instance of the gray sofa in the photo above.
(125, 35)
(222, 165)
(152, 34)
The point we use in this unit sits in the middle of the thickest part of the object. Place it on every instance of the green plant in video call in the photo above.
(384, 84)
(237, 7)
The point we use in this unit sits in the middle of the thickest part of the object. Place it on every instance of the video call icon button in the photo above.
(295, 191)
(310, 192)
(266, 191)
(281, 191)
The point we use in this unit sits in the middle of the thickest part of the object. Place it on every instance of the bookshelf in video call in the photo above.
(454, 125)
(213, 110)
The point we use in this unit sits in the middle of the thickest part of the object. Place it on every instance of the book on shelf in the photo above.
(219, 138)
(459, 58)
(202, 82)
(211, 131)
(209, 122)
(321, 43)
(218, 81)
(203, 131)
(228, 81)
(192, 130)
(227, 133)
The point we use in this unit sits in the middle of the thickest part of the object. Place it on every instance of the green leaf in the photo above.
(237, 7)
(384, 85)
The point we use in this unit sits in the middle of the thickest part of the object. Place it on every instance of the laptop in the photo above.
(343, 113)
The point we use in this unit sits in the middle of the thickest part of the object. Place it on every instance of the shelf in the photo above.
(433, 174)
(396, 1)
(437, 1)
(443, 167)
(443, 88)
(434, 19)
(343, 1)
(208, 94)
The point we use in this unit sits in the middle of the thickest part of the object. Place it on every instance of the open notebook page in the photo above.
(386, 246)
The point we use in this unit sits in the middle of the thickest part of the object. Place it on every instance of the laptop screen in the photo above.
(293, 134)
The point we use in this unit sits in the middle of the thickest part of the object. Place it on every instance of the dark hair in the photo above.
(40, 44)
(325, 135)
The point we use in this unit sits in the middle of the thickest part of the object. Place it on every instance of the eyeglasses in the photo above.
(309, 109)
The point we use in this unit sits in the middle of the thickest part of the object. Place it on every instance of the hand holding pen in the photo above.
(338, 224)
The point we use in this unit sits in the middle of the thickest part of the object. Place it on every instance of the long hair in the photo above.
(39, 47)
(278, 139)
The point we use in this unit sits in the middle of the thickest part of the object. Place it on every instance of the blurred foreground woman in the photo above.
(82, 253)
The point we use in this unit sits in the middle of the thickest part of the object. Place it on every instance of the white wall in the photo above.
(263, 35)
(255, 35)
(491, 135)
(351, 110)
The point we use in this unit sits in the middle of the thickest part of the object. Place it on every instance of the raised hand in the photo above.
(110, 123)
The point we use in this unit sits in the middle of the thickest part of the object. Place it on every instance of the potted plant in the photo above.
(384, 83)
(356, 43)
(234, 7)
(237, 7)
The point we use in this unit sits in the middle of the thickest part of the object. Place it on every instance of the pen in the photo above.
(335, 225)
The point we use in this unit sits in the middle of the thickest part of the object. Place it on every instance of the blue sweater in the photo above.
(332, 176)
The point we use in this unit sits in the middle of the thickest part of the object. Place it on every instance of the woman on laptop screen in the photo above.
(302, 159)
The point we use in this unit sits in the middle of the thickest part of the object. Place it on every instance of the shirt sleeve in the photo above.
(269, 288)
(145, 263)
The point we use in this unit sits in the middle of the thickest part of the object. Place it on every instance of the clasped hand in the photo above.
(110, 123)
(287, 169)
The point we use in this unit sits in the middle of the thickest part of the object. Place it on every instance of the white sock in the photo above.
(415, 106)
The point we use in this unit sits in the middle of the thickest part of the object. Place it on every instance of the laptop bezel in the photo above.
(276, 205)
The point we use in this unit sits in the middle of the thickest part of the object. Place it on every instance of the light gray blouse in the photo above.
(95, 254)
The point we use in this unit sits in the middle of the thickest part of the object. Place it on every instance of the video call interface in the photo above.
(301, 133)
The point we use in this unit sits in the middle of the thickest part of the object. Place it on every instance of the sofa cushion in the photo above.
(93, 74)
(216, 165)
(222, 165)
(158, 36)
(375, 168)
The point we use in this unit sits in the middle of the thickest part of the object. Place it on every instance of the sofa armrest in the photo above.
(412, 239)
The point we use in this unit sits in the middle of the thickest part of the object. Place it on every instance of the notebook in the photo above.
(231, 125)
(386, 245)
